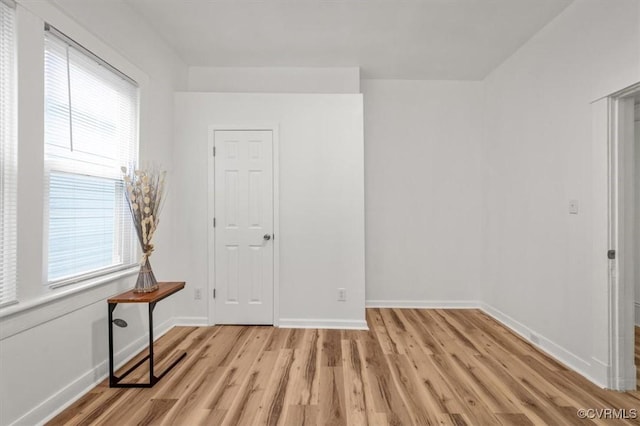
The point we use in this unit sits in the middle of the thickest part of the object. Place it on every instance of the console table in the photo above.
(166, 289)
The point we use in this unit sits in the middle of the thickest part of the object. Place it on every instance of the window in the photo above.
(8, 152)
(91, 130)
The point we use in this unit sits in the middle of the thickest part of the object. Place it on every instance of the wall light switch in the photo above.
(573, 207)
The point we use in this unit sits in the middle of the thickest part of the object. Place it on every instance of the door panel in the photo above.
(244, 216)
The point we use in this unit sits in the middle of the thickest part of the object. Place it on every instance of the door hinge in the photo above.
(214, 293)
(611, 254)
(214, 222)
(214, 151)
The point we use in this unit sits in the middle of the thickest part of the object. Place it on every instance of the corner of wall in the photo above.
(594, 370)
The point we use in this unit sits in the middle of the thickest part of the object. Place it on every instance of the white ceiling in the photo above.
(403, 39)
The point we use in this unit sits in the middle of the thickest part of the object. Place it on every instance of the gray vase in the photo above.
(146, 282)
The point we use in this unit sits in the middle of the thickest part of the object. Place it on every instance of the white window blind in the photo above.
(91, 130)
(8, 150)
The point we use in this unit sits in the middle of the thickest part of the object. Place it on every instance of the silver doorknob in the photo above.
(267, 237)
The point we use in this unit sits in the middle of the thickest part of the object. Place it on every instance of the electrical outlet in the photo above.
(342, 295)
(574, 207)
(198, 294)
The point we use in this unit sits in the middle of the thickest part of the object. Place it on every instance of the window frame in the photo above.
(82, 277)
(39, 303)
(128, 259)
(9, 177)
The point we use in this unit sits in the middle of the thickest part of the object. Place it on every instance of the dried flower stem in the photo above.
(144, 192)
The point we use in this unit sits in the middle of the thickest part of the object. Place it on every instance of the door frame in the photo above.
(274, 128)
(622, 373)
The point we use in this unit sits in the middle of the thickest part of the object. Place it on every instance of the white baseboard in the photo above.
(424, 304)
(191, 321)
(323, 323)
(637, 310)
(601, 370)
(59, 401)
(595, 371)
(629, 384)
(556, 351)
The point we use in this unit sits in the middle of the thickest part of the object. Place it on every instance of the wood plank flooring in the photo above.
(413, 367)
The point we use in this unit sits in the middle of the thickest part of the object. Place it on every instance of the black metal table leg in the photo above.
(114, 381)
(152, 377)
(112, 378)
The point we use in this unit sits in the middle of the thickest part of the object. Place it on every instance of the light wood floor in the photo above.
(414, 367)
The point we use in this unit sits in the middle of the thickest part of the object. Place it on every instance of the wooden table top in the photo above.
(166, 289)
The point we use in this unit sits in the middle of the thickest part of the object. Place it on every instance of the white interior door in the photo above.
(243, 226)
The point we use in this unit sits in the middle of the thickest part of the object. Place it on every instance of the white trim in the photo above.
(23, 316)
(630, 90)
(599, 372)
(59, 401)
(637, 314)
(547, 345)
(621, 315)
(601, 291)
(628, 383)
(211, 241)
(324, 324)
(276, 224)
(424, 304)
(274, 128)
(94, 277)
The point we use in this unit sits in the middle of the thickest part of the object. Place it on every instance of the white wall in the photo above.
(541, 263)
(423, 192)
(321, 198)
(423, 166)
(53, 344)
(274, 80)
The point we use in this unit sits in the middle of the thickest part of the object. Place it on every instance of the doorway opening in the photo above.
(624, 237)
